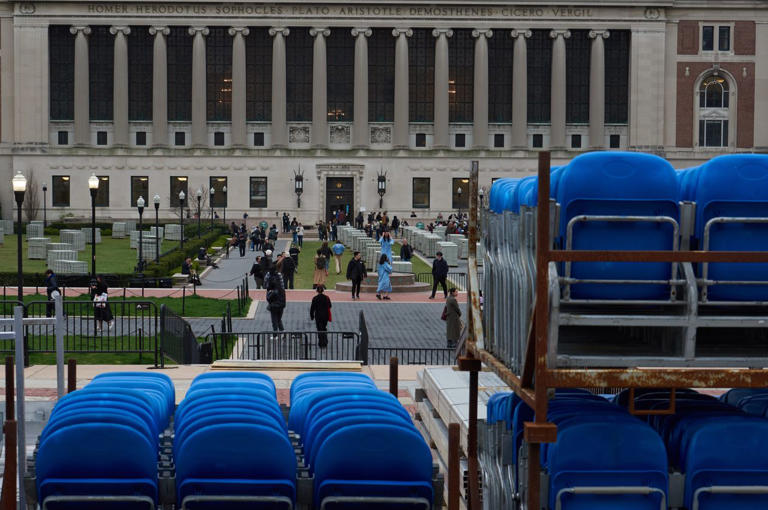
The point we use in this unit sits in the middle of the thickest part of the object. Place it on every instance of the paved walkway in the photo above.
(231, 270)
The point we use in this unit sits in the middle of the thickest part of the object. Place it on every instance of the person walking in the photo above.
(395, 225)
(51, 287)
(406, 251)
(356, 272)
(386, 245)
(257, 273)
(275, 299)
(320, 312)
(385, 284)
(300, 235)
(288, 270)
(294, 251)
(326, 251)
(321, 270)
(439, 274)
(242, 238)
(338, 251)
(452, 316)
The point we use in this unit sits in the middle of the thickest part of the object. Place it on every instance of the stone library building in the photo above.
(307, 107)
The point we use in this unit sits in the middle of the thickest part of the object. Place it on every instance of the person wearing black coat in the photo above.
(288, 270)
(51, 286)
(258, 273)
(275, 299)
(356, 272)
(439, 274)
(320, 312)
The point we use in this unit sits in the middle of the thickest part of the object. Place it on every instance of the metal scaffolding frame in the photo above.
(536, 378)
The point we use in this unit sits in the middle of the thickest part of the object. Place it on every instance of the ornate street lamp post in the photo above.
(381, 188)
(19, 184)
(140, 206)
(213, 191)
(199, 195)
(45, 201)
(93, 186)
(182, 197)
(156, 200)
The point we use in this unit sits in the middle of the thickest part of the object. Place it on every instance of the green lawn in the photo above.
(112, 255)
(194, 306)
(98, 359)
(304, 276)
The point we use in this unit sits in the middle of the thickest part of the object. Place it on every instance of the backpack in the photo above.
(320, 262)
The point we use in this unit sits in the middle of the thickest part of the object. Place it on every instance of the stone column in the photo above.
(319, 89)
(520, 89)
(441, 133)
(82, 84)
(557, 103)
(597, 89)
(279, 124)
(360, 135)
(761, 86)
(199, 89)
(480, 90)
(159, 86)
(402, 111)
(120, 85)
(239, 132)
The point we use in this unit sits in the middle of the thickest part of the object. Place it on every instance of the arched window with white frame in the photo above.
(713, 111)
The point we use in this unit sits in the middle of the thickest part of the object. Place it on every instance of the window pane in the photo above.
(725, 133)
(219, 197)
(61, 51)
(577, 64)
(461, 71)
(340, 46)
(101, 54)
(179, 74)
(381, 76)
(714, 134)
(724, 39)
(702, 129)
(539, 76)
(140, 55)
(617, 77)
(258, 192)
(421, 75)
(258, 75)
(179, 184)
(60, 191)
(218, 63)
(140, 188)
(299, 50)
(421, 192)
(707, 38)
(102, 194)
(460, 193)
(500, 52)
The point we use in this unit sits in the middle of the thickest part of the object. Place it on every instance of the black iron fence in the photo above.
(411, 355)
(177, 341)
(133, 329)
(286, 345)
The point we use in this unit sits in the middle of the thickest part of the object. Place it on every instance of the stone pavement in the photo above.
(231, 270)
(390, 324)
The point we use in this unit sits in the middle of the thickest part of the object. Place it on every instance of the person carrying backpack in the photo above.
(275, 299)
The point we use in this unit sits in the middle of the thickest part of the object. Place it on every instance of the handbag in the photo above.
(444, 316)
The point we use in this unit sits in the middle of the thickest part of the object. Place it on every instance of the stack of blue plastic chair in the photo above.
(359, 443)
(99, 449)
(231, 445)
(604, 458)
(732, 190)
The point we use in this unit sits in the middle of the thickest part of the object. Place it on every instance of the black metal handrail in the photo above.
(286, 345)
(412, 355)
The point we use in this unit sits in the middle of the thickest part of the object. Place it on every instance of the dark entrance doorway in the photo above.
(339, 195)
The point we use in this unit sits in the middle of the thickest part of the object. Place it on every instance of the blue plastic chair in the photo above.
(232, 375)
(152, 385)
(223, 418)
(605, 455)
(154, 398)
(384, 463)
(734, 185)
(733, 396)
(99, 415)
(153, 376)
(119, 461)
(92, 399)
(236, 460)
(727, 454)
(359, 401)
(213, 404)
(304, 401)
(619, 184)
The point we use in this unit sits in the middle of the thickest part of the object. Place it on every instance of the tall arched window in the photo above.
(713, 111)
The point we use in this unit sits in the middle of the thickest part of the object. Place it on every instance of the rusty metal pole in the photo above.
(393, 378)
(71, 375)
(454, 471)
(472, 465)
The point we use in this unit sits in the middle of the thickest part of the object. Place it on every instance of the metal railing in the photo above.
(177, 341)
(286, 345)
(134, 328)
(412, 355)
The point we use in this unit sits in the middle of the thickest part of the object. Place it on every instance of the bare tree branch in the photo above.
(31, 204)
